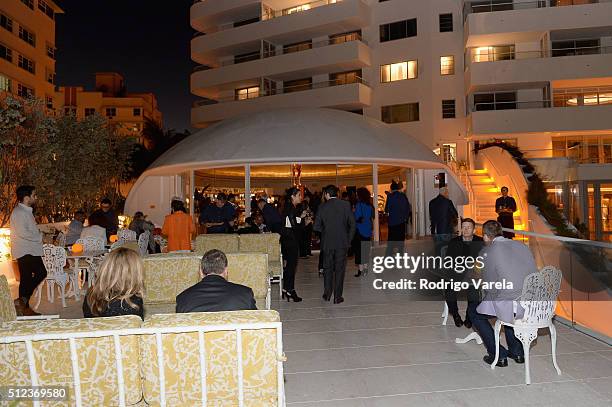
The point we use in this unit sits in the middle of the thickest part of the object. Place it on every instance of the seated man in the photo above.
(466, 245)
(75, 228)
(507, 261)
(214, 292)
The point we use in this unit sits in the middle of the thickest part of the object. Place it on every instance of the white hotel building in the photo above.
(535, 73)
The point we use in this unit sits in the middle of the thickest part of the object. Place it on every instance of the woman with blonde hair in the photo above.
(119, 286)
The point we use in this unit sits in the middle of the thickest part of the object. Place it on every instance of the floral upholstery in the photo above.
(169, 274)
(225, 242)
(96, 359)
(7, 307)
(264, 243)
(182, 365)
(250, 269)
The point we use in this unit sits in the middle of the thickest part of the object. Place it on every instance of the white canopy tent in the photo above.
(284, 137)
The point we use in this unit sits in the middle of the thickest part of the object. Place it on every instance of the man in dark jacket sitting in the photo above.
(465, 245)
(214, 292)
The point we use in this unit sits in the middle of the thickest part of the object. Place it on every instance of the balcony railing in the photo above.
(283, 90)
(490, 54)
(572, 97)
(285, 50)
(511, 105)
(486, 6)
(270, 14)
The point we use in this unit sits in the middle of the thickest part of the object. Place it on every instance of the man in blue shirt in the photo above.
(218, 217)
(399, 210)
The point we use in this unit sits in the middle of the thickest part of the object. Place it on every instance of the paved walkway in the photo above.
(389, 349)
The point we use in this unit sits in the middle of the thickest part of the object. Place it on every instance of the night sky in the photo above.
(146, 41)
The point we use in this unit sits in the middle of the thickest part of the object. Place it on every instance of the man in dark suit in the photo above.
(214, 292)
(336, 223)
(505, 206)
(272, 218)
(442, 214)
(466, 245)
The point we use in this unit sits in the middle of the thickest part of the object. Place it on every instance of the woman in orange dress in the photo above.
(178, 227)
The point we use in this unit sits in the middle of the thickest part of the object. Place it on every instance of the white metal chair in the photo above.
(90, 244)
(126, 235)
(54, 259)
(143, 242)
(539, 298)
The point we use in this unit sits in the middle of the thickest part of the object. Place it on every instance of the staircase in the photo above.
(484, 193)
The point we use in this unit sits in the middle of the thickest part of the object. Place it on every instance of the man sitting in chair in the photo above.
(509, 262)
(214, 293)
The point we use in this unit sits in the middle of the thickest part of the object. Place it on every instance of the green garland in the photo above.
(536, 193)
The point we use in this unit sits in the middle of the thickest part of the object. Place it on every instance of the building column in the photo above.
(247, 190)
(375, 191)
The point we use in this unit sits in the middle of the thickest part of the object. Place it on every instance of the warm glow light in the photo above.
(5, 244)
(112, 239)
(592, 99)
(124, 221)
(77, 248)
(481, 54)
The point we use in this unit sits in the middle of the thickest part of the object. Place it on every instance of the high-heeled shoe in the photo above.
(292, 295)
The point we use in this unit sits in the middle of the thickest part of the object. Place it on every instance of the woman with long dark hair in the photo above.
(290, 241)
(364, 214)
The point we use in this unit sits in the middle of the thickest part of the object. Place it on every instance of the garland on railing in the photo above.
(536, 193)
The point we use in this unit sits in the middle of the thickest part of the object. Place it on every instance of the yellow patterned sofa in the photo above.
(227, 243)
(261, 354)
(169, 274)
(252, 337)
(7, 307)
(95, 358)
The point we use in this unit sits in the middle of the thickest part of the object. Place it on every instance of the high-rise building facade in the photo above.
(454, 74)
(27, 48)
(111, 99)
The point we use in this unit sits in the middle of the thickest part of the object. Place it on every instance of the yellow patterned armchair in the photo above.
(7, 307)
(260, 351)
(227, 243)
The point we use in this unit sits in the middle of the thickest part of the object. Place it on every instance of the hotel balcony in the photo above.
(538, 117)
(504, 21)
(502, 65)
(280, 27)
(346, 95)
(205, 15)
(321, 58)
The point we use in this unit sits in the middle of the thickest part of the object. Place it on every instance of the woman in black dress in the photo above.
(119, 286)
(290, 242)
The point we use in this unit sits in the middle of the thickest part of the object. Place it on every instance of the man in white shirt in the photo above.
(26, 247)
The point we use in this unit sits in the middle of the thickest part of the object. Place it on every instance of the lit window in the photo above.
(399, 71)
(447, 65)
(247, 93)
(5, 83)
